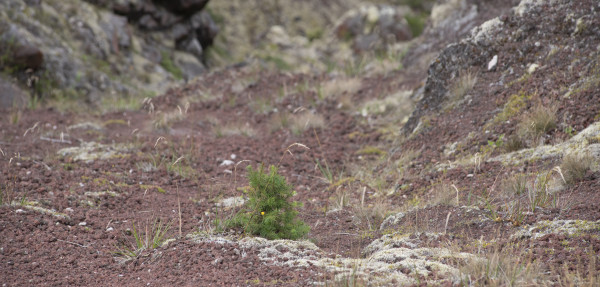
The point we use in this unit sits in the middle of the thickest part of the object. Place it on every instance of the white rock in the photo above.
(226, 162)
(532, 68)
(83, 223)
(493, 62)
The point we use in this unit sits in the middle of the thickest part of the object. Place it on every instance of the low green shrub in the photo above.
(269, 213)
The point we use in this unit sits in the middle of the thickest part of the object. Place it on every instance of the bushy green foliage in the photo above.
(269, 212)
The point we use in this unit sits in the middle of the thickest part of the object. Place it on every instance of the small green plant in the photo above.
(167, 63)
(538, 192)
(492, 145)
(325, 171)
(150, 238)
(570, 131)
(355, 67)
(268, 211)
(416, 23)
(516, 214)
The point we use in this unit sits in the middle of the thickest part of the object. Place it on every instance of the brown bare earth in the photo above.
(466, 194)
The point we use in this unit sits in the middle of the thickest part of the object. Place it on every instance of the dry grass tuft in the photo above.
(537, 122)
(575, 166)
(279, 121)
(513, 143)
(461, 87)
(504, 268)
(515, 186)
(337, 87)
(340, 199)
(444, 194)
(304, 121)
(374, 213)
(233, 129)
(164, 121)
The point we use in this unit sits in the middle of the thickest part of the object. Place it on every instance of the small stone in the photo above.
(493, 62)
(83, 223)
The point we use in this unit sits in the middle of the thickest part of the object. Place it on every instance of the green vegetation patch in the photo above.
(269, 212)
(167, 63)
(515, 104)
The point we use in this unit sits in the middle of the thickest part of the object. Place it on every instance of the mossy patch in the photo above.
(515, 104)
(152, 188)
(371, 150)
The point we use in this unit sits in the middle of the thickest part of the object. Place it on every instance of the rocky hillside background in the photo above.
(105, 54)
(450, 143)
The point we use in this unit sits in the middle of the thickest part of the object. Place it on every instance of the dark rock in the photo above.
(27, 57)
(180, 32)
(206, 29)
(183, 6)
(192, 46)
(148, 22)
(33, 2)
(445, 68)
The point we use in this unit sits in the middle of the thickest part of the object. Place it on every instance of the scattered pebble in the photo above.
(492, 64)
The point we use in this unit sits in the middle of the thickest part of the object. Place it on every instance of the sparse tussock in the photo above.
(233, 129)
(515, 186)
(536, 123)
(304, 121)
(374, 213)
(164, 121)
(444, 194)
(149, 237)
(337, 87)
(513, 143)
(462, 86)
(575, 166)
(279, 121)
(504, 268)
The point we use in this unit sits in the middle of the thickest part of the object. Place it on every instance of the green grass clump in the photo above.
(416, 23)
(269, 213)
(167, 63)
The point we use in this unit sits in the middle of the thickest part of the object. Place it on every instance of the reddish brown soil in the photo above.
(41, 249)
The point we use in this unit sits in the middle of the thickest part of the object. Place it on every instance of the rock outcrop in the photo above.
(115, 49)
(530, 40)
